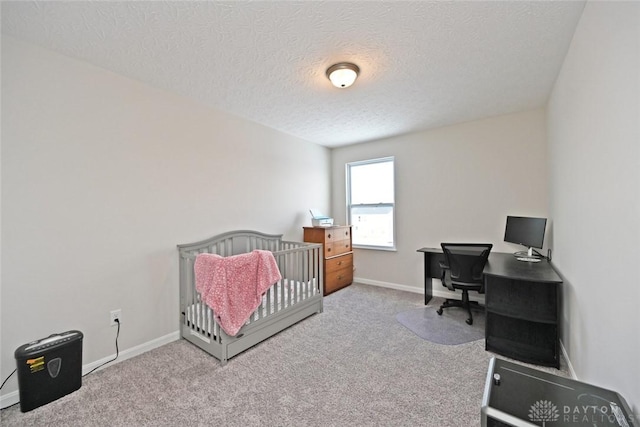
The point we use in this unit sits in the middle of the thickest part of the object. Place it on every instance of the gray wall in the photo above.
(102, 176)
(594, 152)
(456, 183)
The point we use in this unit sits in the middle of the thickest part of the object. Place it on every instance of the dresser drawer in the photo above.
(337, 234)
(338, 279)
(337, 248)
(338, 263)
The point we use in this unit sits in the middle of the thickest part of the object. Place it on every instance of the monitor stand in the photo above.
(528, 255)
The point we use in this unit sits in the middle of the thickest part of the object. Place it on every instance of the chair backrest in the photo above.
(466, 260)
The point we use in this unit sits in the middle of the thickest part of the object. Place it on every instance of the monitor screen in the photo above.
(525, 231)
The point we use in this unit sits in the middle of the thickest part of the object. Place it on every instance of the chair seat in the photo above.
(468, 286)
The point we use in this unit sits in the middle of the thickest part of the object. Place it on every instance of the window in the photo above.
(371, 203)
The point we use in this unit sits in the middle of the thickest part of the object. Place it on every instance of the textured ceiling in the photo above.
(423, 64)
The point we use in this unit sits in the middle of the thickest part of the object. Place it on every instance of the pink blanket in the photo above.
(233, 286)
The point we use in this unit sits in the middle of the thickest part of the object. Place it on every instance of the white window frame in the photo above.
(386, 204)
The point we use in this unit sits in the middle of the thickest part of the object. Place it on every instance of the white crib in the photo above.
(296, 296)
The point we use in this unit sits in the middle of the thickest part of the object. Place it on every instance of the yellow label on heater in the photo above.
(36, 364)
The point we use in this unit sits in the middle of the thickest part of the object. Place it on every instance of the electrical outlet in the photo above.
(115, 314)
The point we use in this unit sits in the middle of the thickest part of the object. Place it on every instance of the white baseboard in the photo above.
(132, 352)
(444, 293)
(389, 285)
(566, 358)
(14, 397)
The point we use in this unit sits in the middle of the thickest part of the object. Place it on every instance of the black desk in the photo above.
(522, 306)
(432, 256)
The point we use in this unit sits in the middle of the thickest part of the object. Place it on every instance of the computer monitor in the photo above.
(525, 231)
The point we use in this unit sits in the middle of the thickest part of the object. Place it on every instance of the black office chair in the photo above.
(462, 270)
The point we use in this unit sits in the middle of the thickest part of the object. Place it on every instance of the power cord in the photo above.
(7, 379)
(117, 351)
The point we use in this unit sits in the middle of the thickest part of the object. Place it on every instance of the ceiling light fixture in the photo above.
(343, 74)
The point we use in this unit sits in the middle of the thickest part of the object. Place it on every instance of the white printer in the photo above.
(320, 220)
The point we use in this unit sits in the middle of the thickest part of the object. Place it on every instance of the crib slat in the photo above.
(270, 296)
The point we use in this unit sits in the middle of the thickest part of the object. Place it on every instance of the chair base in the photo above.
(464, 303)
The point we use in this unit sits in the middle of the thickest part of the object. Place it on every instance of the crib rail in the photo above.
(234, 243)
(299, 263)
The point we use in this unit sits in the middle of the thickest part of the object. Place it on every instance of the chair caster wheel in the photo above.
(439, 311)
(469, 321)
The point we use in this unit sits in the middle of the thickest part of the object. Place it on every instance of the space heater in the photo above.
(49, 368)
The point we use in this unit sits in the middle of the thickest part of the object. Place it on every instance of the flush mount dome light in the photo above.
(343, 74)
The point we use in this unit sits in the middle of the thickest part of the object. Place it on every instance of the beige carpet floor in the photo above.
(352, 365)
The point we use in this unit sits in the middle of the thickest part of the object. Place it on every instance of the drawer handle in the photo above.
(339, 262)
(339, 277)
(329, 236)
(328, 249)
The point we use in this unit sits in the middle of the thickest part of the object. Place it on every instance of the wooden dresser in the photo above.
(338, 255)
